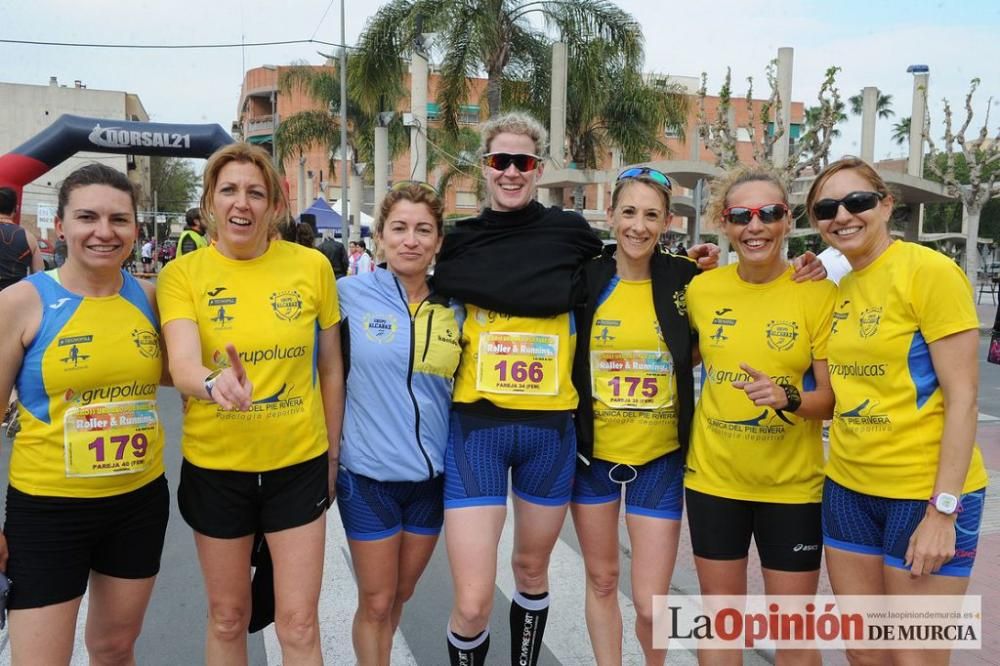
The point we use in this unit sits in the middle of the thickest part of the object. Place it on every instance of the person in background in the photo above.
(403, 343)
(147, 255)
(19, 253)
(252, 324)
(304, 235)
(905, 480)
(360, 261)
(193, 236)
(87, 504)
(334, 250)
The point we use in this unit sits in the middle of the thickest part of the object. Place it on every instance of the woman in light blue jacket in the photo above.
(401, 350)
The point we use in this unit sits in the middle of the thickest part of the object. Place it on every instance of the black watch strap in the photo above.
(793, 397)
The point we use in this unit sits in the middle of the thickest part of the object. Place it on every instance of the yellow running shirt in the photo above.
(517, 362)
(739, 450)
(87, 395)
(887, 425)
(632, 376)
(271, 308)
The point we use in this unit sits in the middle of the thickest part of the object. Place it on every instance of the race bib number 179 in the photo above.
(109, 438)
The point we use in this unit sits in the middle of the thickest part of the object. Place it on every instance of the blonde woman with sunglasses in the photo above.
(755, 466)
(513, 267)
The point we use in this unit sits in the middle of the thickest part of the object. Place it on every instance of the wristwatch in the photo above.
(793, 397)
(946, 503)
(210, 380)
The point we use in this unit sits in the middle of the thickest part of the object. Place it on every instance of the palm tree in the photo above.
(901, 131)
(815, 113)
(495, 36)
(883, 105)
(613, 104)
(305, 129)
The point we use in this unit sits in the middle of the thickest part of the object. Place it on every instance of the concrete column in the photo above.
(915, 162)
(694, 223)
(381, 164)
(355, 196)
(418, 107)
(300, 190)
(869, 105)
(310, 197)
(557, 117)
(970, 223)
(784, 75)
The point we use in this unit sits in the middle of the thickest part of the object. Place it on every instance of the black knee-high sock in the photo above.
(466, 651)
(528, 613)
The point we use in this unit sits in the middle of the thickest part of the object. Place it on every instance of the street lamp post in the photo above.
(344, 173)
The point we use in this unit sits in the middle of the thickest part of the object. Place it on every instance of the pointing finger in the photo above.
(235, 363)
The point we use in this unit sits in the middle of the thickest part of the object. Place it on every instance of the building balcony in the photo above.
(260, 124)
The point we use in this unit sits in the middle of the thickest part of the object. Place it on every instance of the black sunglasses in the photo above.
(521, 161)
(855, 202)
(742, 215)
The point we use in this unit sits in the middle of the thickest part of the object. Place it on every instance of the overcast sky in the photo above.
(873, 42)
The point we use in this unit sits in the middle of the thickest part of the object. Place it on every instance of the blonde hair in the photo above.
(622, 184)
(244, 153)
(515, 122)
(722, 187)
(857, 164)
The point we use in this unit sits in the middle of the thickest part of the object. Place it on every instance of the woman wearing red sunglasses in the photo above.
(755, 467)
(905, 485)
(513, 267)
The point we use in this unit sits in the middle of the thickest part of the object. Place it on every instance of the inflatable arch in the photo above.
(69, 135)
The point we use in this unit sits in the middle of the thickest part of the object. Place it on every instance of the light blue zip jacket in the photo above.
(400, 370)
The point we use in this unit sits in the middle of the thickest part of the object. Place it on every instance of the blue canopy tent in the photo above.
(328, 218)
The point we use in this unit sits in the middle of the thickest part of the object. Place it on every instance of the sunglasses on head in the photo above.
(767, 214)
(403, 184)
(652, 174)
(522, 161)
(855, 202)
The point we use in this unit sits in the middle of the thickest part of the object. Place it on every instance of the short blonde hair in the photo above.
(515, 122)
(244, 153)
(722, 187)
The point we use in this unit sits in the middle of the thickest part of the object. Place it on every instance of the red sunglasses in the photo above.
(767, 214)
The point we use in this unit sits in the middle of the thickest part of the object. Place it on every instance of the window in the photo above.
(469, 114)
(433, 111)
(466, 200)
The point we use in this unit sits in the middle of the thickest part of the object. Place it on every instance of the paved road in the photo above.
(174, 631)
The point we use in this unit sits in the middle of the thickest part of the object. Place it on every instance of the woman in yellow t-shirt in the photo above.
(905, 485)
(755, 466)
(87, 503)
(633, 372)
(252, 326)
